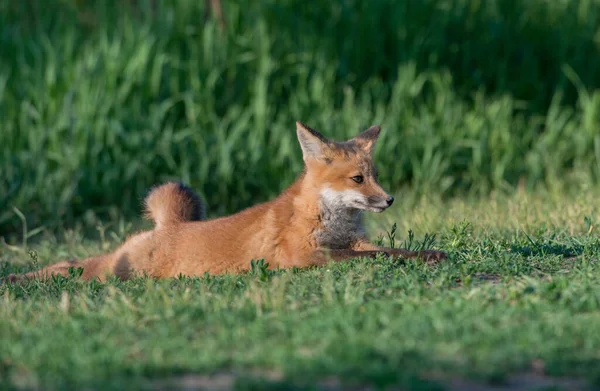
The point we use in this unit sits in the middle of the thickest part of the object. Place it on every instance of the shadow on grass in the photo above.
(411, 371)
(545, 249)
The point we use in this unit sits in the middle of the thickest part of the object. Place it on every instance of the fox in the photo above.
(317, 219)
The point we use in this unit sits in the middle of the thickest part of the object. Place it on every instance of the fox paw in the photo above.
(11, 278)
(432, 257)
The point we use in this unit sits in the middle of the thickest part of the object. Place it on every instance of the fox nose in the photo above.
(390, 200)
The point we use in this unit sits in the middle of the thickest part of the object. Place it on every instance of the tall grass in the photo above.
(100, 100)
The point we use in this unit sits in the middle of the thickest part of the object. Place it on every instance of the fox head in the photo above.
(343, 172)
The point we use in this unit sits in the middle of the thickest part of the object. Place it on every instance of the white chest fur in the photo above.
(341, 225)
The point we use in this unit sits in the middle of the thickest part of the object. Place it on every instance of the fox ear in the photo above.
(313, 143)
(366, 140)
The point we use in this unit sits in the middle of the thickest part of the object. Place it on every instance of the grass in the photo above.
(519, 296)
(100, 100)
(490, 112)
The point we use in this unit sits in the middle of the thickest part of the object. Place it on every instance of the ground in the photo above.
(514, 307)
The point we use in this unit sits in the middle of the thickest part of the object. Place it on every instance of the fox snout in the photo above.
(389, 200)
(379, 203)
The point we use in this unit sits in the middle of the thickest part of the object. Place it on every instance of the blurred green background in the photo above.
(100, 100)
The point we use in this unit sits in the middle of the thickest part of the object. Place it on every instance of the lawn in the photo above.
(515, 307)
(490, 113)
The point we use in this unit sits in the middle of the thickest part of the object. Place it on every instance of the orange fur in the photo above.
(317, 219)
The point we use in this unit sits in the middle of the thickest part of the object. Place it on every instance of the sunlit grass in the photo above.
(519, 292)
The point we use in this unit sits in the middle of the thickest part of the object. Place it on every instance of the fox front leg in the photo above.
(321, 257)
(431, 257)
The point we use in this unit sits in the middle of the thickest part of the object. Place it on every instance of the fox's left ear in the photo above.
(366, 140)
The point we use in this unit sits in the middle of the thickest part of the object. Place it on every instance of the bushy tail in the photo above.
(173, 203)
(166, 204)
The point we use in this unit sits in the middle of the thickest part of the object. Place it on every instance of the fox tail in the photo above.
(173, 203)
(167, 205)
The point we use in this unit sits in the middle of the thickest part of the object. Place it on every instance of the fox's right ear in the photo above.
(313, 143)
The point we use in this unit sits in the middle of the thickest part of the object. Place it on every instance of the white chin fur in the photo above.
(376, 210)
(347, 199)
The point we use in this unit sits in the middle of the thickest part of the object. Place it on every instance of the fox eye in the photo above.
(358, 179)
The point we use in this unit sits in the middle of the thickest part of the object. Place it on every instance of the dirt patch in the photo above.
(524, 382)
(218, 382)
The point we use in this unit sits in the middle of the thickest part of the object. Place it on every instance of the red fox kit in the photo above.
(317, 219)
